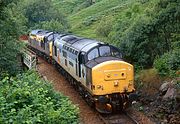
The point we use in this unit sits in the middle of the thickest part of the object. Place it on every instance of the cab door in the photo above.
(82, 68)
(60, 53)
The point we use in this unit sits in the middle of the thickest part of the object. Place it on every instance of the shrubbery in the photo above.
(168, 64)
(28, 99)
(88, 21)
(150, 34)
(52, 25)
(19, 16)
(42, 12)
(142, 29)
(104, 28)
(12, 24)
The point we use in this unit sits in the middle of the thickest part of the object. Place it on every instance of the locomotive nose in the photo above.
(113, 77)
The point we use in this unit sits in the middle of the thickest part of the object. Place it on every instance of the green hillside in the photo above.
(142, 29)
(87, 20)
(69, 7)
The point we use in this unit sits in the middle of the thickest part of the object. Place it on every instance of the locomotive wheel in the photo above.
(117, 107)
(104, 108)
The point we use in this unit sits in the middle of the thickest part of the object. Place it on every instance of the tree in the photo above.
(148, 36)
(42, 11)
(12, 24)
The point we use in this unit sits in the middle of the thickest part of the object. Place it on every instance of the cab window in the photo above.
(55, 35)
(115, 52)
(55, 50)
(50, 37)
(93, 54)
(104, 51)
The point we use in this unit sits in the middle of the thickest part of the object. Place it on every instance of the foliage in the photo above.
(142, 29)
(69, 7)
(85, 18)
(40, 12)
(150, 35)
(168, 64)
(8, 55)
(148, 81)
(52, 25)
(83, 5)
(12, 24)
(19, 16)
(104, 28)
(27, 99)
(88, 21)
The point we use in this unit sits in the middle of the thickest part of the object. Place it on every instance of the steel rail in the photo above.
(114, 120)
(128, 115)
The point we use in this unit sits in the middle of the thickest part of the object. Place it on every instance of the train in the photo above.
(95, 69)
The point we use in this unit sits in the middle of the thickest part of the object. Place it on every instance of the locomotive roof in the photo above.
(49, 33)
(70, 39)
(78, 43)
(44, 33)
(35, 31)
(85, 44)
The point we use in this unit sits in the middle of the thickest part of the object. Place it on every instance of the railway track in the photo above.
(121, 118)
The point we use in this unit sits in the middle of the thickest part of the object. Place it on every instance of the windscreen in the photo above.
(104, 51)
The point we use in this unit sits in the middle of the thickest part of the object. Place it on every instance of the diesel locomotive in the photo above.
(94, 68)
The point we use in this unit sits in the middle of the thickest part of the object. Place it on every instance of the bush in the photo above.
(145, 30)
(27, 99)
(52, 25)
(104, 28)
(40, 11)
(88, 21)
(168, 64)
(12, 24)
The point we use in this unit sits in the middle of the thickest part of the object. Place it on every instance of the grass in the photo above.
(86, 21)
(148, 81)
(105, 9)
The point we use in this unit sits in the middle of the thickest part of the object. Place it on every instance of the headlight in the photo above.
(116, 83)
(99, 87)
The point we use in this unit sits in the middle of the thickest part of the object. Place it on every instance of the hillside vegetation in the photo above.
(24, 97)
(146, 31)
(27, 99)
